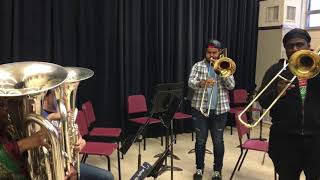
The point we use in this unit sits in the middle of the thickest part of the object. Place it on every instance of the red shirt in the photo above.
(12, 150)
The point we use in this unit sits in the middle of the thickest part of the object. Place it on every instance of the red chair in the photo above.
(98, 131)
(96, 148)
(248, 144)
(239, 102)
(137, 105)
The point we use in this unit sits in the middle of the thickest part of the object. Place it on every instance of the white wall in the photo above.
(270, 46)
(263, 12)
(268, 51)
(299, 11)
(315, 35)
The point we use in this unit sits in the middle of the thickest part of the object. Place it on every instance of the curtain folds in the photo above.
(132, 45)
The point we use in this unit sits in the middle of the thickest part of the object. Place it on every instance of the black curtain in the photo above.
(131, 45)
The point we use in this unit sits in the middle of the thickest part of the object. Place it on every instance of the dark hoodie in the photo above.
(289, 115)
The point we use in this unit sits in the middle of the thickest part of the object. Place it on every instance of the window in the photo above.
(291, 13)
(313, 14)
(272, 14)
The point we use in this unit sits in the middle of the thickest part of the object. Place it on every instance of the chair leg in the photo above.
(275, 174)
(192, 136)
(244, 156)
(264, 156)
(235, 167)
(119, 166)
(175, 133)
(119, 143)
(84, 158)
(144, 144)
(109, 168)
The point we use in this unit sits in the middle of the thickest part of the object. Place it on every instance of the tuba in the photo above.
(22, 88)
(66, 97)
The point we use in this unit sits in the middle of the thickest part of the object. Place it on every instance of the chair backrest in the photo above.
(82, 124)
(137, 104)
(240, 96)
(242, 130)
(89, 112)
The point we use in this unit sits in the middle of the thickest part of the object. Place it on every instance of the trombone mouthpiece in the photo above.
(212, 61)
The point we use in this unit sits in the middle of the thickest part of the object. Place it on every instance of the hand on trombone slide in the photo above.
(207, 83)
(282, 84)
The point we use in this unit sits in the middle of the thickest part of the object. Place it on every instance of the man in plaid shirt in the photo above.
(202, 75)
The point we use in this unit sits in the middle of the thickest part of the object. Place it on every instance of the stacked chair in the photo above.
(96, 148)
(111, 134)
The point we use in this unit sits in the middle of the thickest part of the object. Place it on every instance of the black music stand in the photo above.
(158, 166)
(147, 170)
(138, 137)
(176, 89)
(166, 105)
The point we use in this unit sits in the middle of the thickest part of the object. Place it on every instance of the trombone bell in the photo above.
(304, 64)
(225, 67)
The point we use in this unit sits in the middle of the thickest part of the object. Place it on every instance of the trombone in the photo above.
(224, 67)
(304, 64)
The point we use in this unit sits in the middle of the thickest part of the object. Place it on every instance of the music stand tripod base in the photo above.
(206, 151)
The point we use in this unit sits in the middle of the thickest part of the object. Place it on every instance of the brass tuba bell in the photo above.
(66, 96)
(22, 88)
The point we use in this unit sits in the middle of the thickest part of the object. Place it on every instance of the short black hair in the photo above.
(215, 43)
(296, 33)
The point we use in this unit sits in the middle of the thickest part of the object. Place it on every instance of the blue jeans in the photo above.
(91, 172)
(216, 125)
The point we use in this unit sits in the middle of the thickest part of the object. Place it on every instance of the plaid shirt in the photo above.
(200, 72)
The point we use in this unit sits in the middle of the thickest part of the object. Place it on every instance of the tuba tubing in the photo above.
(58, 170)
(66, 94)
(65, 139)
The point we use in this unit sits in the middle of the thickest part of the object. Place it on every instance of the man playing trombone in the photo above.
(210, 105)
(294, 142)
